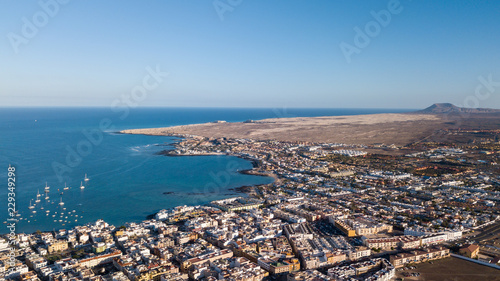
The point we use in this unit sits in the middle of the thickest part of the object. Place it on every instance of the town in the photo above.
(334, 212)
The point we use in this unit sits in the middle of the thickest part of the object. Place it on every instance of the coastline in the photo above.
(241, 191)
(172, 153)
(255, 163)
(245, 190)
(178, 138)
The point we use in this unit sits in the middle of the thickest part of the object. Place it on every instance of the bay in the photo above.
(127, 179)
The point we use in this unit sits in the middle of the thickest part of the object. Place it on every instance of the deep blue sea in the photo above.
(127, 180)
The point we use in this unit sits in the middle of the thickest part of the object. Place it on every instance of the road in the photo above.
(489, 232)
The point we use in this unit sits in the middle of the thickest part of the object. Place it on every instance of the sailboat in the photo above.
(31, 206)
(65, 187)
(81, 185)
(86, 179)
(61, 203)
(46, 187)
(37, 197)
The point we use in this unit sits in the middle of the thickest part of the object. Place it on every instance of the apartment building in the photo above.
(418, 256)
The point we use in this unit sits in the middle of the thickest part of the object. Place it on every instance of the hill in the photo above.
(448, 108)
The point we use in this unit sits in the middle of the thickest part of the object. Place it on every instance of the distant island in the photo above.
(435, 123)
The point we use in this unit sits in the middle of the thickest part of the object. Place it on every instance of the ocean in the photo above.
(127, 179)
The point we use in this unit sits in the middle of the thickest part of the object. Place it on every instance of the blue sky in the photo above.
(280, 53)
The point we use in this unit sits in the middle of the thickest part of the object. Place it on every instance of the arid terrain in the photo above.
(399, 129)
(452, 269)
(361, 129)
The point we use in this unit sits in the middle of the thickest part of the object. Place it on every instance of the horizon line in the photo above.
(198, 107)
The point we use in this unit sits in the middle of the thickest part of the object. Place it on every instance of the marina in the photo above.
(47, 207)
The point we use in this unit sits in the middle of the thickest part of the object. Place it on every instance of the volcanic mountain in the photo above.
(448, 108)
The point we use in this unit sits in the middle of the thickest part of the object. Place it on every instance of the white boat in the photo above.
(31, 206)
(38, 193)
(82, 186)
(47, 197)
(86, 179)
(46, 187)
(65, 187)
(61, 203)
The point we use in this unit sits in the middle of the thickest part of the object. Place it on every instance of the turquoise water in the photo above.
(127, 179)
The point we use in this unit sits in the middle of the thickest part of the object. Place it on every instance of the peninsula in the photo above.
(437, 122)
